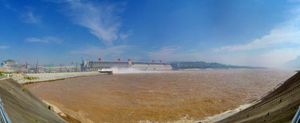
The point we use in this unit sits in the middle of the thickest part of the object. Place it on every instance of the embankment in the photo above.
(22, 107)
(41, 77)
(279, 106)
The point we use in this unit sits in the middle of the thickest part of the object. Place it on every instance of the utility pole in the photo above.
(37, 67)
(76, 68)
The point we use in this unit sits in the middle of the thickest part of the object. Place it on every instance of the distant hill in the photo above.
(295, 63)
(204, 65)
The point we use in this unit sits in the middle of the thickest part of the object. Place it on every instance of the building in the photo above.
(58, 69)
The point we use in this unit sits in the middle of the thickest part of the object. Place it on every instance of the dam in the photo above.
(144, 66)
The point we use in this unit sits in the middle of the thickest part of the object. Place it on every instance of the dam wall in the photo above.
(279, 106)
(146, 66)
(152, 67)
(22, 107)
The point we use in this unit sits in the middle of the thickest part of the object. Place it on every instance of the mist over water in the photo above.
(132, 71)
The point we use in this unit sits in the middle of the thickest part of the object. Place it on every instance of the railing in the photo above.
(3, 117)
(296, 118)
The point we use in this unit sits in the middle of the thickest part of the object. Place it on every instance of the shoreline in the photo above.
(60, 113)
(51, 77)
(48, 77)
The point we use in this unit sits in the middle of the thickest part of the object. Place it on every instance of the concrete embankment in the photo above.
(22, 107)
(279, 106)
(40, 77)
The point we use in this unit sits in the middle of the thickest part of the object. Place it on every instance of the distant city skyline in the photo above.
(254, 33)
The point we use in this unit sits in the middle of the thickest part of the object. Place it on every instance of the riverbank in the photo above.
(42, 77)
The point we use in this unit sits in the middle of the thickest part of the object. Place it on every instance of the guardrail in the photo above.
(296, 118)
(3, 117)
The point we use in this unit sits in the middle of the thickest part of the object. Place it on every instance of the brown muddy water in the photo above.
(157, 97)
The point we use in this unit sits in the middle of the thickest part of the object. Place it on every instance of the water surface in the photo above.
(157, 96)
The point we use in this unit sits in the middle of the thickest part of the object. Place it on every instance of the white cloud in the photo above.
(44, 40)
(275, 49)
(30, 17)
(3, 47)
(101, 20)
(96, 52)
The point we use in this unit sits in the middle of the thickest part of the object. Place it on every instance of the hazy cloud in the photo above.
(288, 33)
(108, 52)
(7, 5)
(30, 17)
(275, 58)
(175, 53)
(44, 40)
(3, 47)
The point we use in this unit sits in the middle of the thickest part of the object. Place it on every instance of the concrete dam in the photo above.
(144, 66)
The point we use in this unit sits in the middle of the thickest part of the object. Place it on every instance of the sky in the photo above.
(253, 32)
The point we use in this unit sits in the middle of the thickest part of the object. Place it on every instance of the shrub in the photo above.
(30, 78)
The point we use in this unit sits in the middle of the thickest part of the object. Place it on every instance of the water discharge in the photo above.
(133, 70)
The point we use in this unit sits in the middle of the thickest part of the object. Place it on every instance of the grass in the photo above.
(1, 74)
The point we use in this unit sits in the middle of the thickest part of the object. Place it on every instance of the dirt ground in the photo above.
(159, 97)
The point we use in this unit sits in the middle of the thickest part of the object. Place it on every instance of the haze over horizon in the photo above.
(253, 33)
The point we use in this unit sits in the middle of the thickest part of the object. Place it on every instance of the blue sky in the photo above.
(252, 32)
